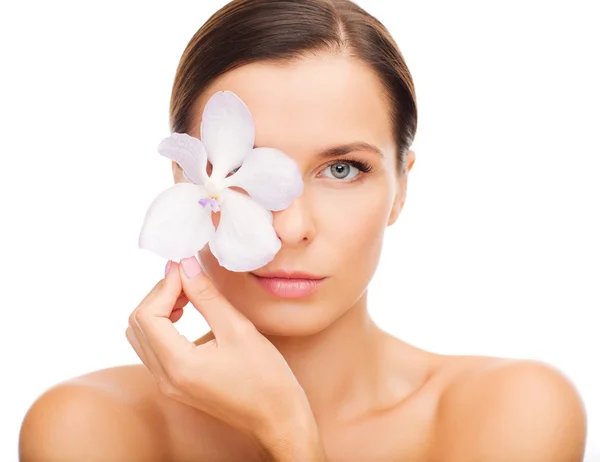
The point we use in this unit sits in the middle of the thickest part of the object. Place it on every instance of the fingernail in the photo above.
(167, 267)
(191, 267)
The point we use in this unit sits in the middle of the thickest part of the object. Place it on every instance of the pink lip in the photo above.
(289, 285)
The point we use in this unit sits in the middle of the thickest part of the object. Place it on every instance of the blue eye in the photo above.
(341, 171)
(345, 169)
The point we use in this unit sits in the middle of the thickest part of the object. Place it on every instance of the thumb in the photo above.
(223, 318)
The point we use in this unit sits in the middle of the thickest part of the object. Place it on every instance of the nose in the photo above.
(295, 225)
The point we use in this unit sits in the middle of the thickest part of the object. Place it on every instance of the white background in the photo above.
(496, 252)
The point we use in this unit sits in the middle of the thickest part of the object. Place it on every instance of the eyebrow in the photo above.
(336, 151)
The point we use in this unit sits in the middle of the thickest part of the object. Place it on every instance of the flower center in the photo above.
(211, 202)
(213, 188)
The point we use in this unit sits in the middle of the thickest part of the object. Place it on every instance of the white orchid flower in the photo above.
(179, 221)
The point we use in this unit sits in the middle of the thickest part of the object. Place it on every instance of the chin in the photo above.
(285, 317)
(284, 322)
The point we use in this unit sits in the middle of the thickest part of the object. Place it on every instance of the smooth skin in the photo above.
(310, 379)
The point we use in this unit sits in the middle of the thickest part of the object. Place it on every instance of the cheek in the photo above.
(353, 222)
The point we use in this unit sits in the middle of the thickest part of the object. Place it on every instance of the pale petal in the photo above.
(189, 153)
(176, 226)
(227, 131)
(245, 239)
(270, 177)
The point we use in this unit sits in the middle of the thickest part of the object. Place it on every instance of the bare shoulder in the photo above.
(104, 415)
(497, 409)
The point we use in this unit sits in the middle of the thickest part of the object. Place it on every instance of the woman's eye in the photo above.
(341, 171)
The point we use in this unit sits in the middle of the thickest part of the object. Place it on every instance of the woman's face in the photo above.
(335, 229)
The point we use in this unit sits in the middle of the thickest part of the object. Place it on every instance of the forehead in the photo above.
(310, 104)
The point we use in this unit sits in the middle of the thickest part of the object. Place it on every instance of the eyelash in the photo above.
(362, 166)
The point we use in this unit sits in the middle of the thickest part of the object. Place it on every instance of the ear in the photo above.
(402, 180)
(177, 172)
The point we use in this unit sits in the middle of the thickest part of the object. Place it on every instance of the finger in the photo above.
(152, 318)
(176, 315)
(224, 320)
(177, 312)
(140, 345)
(158, 287)
(133, 341)
(153, 293)
(181, 302)
(146, 358)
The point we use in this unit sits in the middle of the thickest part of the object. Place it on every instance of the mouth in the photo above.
(285, 284)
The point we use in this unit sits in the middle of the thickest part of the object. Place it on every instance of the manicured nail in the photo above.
(167, 267)
(191, 267)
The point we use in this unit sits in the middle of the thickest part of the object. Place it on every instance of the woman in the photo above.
(302, 374)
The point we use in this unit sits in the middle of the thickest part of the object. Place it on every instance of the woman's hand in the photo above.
(238, 377)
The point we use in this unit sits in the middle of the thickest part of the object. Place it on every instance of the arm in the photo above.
(75, 422)
(520, 411)
(237, 377)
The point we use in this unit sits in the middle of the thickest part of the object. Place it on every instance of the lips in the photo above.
(286, 284)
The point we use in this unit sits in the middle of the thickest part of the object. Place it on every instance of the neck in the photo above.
(337, 364)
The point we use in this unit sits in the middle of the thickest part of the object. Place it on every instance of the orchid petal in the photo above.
(189, 153)
(245, 239)
(270, 177)
(176, 225)
(227, 131)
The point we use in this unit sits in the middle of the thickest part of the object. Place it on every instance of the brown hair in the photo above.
(246, 31)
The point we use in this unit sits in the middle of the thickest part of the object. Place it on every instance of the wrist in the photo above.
(293, 439)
